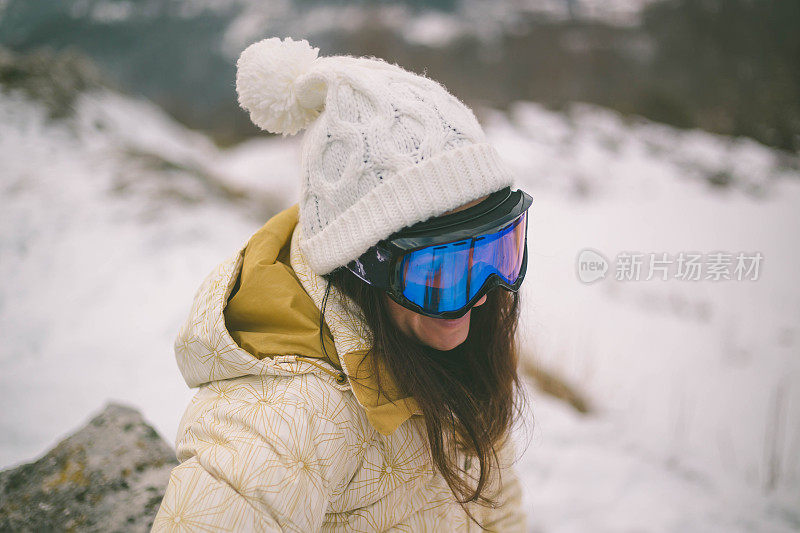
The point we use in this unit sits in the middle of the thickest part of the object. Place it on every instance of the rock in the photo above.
(54, 78)
(110, 475)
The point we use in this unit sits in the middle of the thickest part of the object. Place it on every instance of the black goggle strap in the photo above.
(373, 267)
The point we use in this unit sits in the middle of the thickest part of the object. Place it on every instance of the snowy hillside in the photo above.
(109, 221)
(111, 217)
(695, 384)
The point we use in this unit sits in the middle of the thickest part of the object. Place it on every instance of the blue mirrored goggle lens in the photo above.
(441, 278)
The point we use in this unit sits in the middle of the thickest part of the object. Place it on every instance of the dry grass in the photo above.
(553, 385)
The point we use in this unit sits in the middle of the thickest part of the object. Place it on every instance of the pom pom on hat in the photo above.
(274, 87)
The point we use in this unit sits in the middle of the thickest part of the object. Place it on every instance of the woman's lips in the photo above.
(453, 322)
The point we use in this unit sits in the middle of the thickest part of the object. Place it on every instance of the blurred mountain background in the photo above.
(725, 66)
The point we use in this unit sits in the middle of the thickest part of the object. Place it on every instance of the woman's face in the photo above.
(438, 333)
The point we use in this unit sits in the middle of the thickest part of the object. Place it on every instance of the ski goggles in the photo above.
(441, 267)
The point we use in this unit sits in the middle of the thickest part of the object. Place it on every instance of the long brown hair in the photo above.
(469, 396)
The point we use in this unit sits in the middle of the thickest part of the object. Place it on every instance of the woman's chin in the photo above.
(444, 335)
(449, 346)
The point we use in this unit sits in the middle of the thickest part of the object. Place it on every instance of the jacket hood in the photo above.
(258, 313)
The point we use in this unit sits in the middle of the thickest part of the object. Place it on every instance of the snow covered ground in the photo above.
(110, 219)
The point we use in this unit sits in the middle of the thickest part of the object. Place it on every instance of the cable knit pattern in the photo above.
(389, 148)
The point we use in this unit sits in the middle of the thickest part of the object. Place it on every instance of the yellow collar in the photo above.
(352, 338)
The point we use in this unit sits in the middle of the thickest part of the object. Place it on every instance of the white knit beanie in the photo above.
(385, 148)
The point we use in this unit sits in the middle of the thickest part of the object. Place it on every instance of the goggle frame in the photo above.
(381, 265)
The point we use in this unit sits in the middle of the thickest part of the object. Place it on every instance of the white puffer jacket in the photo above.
(291, 442)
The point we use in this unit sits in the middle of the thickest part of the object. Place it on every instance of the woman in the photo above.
(355, 358)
